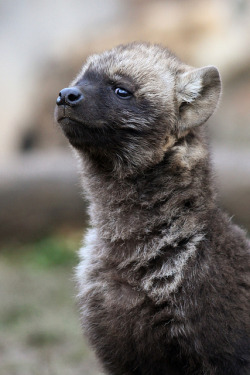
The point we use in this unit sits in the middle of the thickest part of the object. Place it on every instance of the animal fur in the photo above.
(164, 276)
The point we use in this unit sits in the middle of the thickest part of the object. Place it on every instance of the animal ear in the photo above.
(198, 93)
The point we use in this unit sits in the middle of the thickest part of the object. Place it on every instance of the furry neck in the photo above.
(174, 197)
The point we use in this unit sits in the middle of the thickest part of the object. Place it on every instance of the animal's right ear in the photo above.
(198, 92)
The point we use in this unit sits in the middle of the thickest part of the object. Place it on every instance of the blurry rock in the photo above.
(40, 195)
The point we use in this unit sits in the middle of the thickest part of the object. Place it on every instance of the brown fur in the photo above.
(164, 285)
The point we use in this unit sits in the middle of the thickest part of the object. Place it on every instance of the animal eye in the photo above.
(123, 93)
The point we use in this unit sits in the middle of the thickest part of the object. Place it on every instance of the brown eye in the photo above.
(122, 93)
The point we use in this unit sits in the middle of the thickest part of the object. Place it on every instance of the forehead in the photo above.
(140, 62)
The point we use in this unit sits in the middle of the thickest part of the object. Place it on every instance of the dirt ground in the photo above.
(40, 330)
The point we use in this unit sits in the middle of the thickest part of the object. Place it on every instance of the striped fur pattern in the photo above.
(164, 276)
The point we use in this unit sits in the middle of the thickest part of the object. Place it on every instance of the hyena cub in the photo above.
(164, 277)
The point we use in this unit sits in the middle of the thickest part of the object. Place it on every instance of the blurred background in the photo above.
(42, 211)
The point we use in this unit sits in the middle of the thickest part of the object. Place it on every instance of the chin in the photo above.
(82, 136)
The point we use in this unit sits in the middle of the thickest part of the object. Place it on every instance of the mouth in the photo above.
(73, 129)
(63, 116)
(83, 134)
(78, 133)
(69, 121)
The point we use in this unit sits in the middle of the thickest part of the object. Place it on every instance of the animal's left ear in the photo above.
(198, 93)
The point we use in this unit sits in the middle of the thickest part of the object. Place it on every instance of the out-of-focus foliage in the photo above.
(49, 252)
(40, 331)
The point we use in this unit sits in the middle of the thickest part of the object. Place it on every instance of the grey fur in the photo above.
(164, 285)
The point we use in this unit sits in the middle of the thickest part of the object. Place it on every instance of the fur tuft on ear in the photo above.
(198, 92)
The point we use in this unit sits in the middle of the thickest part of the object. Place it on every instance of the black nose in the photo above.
(70, 96)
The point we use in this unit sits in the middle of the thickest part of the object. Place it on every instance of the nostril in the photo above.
(70, 96)
(73, 97)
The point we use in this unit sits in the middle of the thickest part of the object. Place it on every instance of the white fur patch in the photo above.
(173, 268)
(85, 255)
(189, 87)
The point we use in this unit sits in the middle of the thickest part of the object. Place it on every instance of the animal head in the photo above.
(132, 103)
